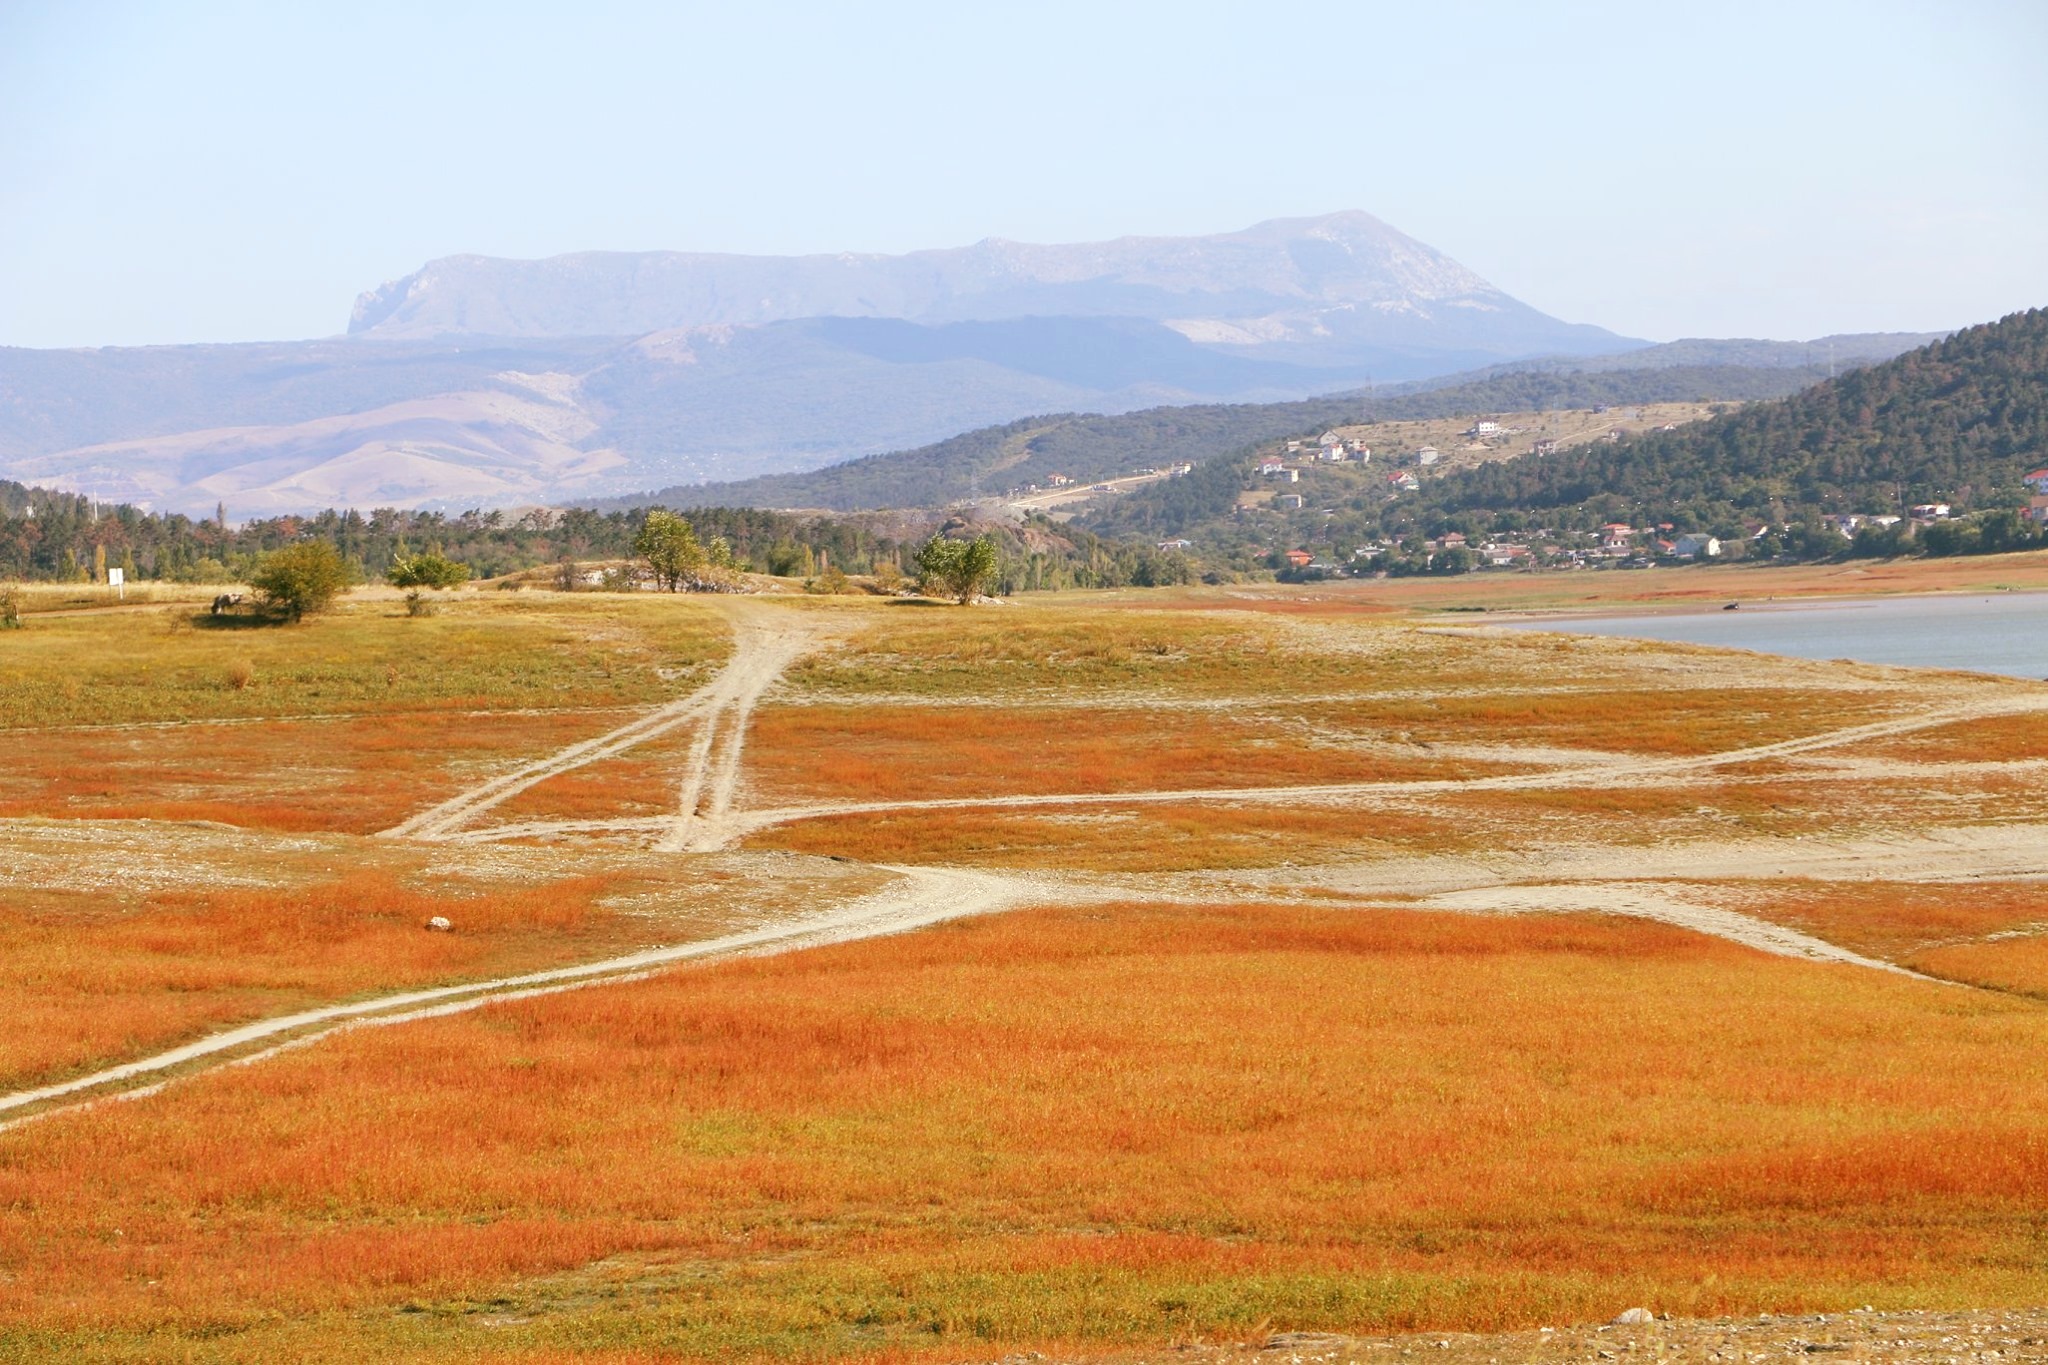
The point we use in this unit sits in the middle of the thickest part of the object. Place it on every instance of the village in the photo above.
(1613, 545)
(1352, 468)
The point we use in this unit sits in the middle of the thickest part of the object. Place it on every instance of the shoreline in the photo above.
(1768, 605)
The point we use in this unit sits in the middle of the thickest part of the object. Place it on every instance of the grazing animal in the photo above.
(225, 601)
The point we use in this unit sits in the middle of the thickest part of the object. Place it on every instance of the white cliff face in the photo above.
(1273, 280)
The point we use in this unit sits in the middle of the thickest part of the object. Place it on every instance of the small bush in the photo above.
(301, 579)
(240, 674)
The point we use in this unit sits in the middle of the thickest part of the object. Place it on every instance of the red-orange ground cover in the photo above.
(1118, 1123)
(636, 783)
(1898, 920)
(350, 775)
(2018, 964)
(1671, 720)
(86, 987)
(1647, 810)
(910, 753)
(1996, 739)
(1152, 837)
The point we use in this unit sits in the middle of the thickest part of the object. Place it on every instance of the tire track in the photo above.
(923, 896)
(444, 820)
(761, 651)
(1607, 772)
(1654, 902)
(711, 780)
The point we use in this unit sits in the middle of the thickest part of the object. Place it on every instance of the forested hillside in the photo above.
(1956, 422)
(1089, 447)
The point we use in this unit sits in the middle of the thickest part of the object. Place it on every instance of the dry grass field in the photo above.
(1093, 974)
(1678, 588)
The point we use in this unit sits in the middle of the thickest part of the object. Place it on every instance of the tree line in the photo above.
(52, 536)
(48, 536)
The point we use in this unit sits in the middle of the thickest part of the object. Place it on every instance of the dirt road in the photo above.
(766, 640)
(1607, 770)
(920, 897)
(765, 646)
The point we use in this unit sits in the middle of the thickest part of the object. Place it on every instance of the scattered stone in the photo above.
(1631, 1316)
(439, 924)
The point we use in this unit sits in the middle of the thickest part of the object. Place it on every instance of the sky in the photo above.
(231, 172)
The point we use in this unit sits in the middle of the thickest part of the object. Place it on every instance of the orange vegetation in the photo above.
(1665, 721)
(2017, 964)
(935, 752)
(1119, 1123)
(1996, 739)
(1648, 809)
(351, 775)
(634, 784)
(1895, 919)
(1152, 837)
(86, 988)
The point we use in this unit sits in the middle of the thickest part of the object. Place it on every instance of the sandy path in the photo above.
(766, 641)
(922, 896)
(928, 895)
(766, 646)
(444, 820)
(1607, 770)
(1654, 902)
(1632, 882)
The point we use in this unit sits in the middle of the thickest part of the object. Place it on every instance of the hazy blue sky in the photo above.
(214, 172)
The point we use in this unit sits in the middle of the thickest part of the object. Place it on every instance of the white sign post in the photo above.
(117, 580)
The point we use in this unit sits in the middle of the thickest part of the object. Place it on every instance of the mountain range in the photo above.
(483, 382)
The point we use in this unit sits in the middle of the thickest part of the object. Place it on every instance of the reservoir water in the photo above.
(2001, 633)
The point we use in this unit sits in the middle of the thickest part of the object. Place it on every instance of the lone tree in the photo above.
(300, 578)
(961, 569)
(670, 548)
(417, 573)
